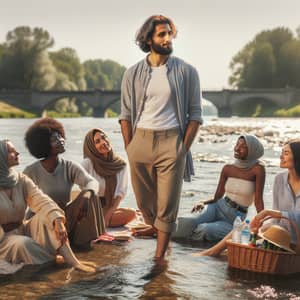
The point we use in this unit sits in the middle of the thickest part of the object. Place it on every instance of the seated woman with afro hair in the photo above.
(55, 176)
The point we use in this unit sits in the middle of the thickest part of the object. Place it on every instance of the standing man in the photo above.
(160, 115)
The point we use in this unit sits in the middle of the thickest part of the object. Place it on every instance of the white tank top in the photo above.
(240, 191)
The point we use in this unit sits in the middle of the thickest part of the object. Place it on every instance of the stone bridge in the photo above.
(225, 100)
(100, 100)
(39, 101)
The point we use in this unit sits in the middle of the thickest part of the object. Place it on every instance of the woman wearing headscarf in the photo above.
(39, 239)
(56, 176)
(110, 171)
(241, 183)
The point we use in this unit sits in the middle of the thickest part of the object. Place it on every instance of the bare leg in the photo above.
(163, 239)
(122, 216)
(71, 259)
(217, 249)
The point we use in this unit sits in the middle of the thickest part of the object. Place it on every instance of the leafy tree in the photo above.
(265, 62)
(103, 74)
(24, 56)
(67, 61)
(289, 64)
(260, 73)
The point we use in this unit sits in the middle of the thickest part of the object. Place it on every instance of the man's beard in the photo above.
(162, 50)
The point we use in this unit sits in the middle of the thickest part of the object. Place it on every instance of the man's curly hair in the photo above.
(146, 32)
(37, 137)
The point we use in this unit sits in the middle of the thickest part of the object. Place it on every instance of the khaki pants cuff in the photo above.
(165, 227)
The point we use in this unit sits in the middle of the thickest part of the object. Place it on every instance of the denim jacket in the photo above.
(185, 90)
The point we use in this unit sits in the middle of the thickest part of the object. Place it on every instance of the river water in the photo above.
(126, 271)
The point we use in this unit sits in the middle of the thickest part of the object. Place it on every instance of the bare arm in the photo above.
(221, 185)
(257, 220)
(126, 129)
(259, 188)
(218, 194)
(190, 133)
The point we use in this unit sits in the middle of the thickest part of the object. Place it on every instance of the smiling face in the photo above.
(12, 155)
(57, 143)
(161, 41)
(101, 144)
(241, 149)
(287, 158)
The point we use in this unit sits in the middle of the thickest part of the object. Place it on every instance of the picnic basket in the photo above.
(264, 260)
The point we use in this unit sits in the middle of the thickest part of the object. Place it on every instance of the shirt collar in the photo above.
(169, 63)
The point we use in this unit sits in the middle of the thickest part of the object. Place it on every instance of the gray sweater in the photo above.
(58, 185)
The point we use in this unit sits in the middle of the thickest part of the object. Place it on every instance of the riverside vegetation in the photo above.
(270, 60)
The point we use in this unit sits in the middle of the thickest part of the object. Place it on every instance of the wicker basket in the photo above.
(263, 260)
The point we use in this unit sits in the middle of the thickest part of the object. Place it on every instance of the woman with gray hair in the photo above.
(240, 184)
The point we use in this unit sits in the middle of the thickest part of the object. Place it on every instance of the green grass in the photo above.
(110, 113)
(291, 112)
(9, 111)
(55, 114)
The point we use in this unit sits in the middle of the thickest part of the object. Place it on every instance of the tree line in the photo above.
(270, 60)
(26, 62)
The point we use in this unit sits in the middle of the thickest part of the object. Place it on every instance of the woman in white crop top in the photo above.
(286, 196)
(240, 184)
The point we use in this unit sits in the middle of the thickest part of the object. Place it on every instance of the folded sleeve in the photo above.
(126, 88)
(195, 97)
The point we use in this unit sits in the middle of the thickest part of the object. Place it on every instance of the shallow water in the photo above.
(127, 271)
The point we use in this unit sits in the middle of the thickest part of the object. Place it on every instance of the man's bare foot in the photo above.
(88, 263)
(85, 267)
(149, 231)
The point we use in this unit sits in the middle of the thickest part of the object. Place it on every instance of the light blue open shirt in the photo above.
(185, 90)
(284, 199)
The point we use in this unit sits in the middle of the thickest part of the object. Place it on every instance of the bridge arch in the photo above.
(209, 108)
(51, 102)
(110, 105)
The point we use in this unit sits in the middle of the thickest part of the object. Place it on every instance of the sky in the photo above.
(210, 32)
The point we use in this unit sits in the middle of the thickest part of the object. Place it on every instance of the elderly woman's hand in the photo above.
(60, 230)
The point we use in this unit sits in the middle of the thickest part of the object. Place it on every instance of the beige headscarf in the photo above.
(8, 177)
(104, 167)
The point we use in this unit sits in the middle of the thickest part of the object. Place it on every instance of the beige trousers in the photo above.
(157, 161)
(31, 243)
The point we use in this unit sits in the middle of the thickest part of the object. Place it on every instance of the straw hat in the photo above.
(278, 236)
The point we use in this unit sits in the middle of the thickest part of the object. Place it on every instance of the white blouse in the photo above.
(122, 179)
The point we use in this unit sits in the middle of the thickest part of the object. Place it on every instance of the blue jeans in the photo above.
(212, 223)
